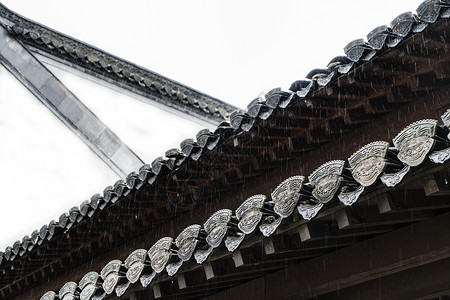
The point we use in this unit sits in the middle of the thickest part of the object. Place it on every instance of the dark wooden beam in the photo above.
(413, 246)
(430, 281)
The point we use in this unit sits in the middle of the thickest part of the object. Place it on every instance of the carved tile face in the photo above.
(249, 214)
(415, 142)
(249, 220)
(68, 288)
(188, 233)
(326, 180)
(134, 271)
(367, 171)
(253, 202)
(286, 203)
(414, 150)
(87, 292)
(308, 211)
(286, 195)
(220, 216)
(110, 282)
(69, 296)
(326, 187)
(160, 259)
(233, 242)
(159, 254)
(216, 227)
(48, 296)
(186, 248)
(136, 256)
(89, 278)
(112, 267)
(216, 235)
(369, 162)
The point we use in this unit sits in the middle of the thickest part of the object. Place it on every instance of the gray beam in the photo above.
(113, 72)
(66, 106)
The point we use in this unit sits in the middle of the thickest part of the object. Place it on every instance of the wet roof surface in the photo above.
(267, 108)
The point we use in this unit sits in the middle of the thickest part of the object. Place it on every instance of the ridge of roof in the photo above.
(114, 70)
(357, 52)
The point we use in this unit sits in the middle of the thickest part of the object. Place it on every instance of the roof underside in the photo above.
(370, 95)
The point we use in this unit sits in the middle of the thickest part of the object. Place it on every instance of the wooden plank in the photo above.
(269, 247)
(428, 281)
(311, 231)
(156, 291)
(403, 249)
(436, 184)
(384, 203)
(237, 258)
(345, 218)
(209, 271)
(421, 244)
(181, 281)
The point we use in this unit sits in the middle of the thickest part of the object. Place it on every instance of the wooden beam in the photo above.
(181, 281)
(437, 184)
(209, 271)
(311, 231)
(403, 249)
(156, 291)
(268, 245)
(384, 203)
(431, 281)
(66, 106)
(237, 258)
(344, 218)
(133, 297)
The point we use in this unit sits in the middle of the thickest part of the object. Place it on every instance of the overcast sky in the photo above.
(232, 50)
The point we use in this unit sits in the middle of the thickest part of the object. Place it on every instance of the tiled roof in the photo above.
(344, 76)
(114, 70)
(372, 166)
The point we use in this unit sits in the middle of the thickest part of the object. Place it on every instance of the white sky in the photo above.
(232, 50)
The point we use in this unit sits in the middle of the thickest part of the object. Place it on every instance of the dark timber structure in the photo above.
(364, 212)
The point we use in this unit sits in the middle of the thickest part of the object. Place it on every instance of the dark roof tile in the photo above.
(53, 228)
(16, 247)
(85, 208)
(302, 87)
(403, 23)
(121, 188)
(377, 37)
(74, 215)
(133, 180)
(359, 50)
(64, 221)
(429, 10)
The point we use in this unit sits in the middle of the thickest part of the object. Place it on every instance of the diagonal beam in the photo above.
(113, 72)
(66, 106)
